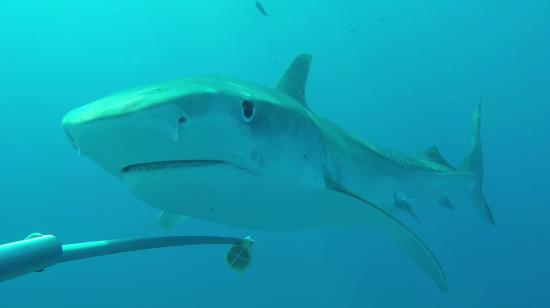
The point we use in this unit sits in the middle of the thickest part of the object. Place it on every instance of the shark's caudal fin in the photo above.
(474, 163)
(294, 80)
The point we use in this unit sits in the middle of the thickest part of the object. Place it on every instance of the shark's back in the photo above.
(379, 174)
(360, 149)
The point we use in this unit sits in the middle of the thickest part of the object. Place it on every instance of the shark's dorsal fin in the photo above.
(294, 80)
(432, 154)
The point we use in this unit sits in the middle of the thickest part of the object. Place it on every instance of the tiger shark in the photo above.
(241, 154)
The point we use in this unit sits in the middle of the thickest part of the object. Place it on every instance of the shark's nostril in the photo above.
(182, 120)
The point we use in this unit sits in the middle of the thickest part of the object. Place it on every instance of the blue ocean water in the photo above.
(407, 77)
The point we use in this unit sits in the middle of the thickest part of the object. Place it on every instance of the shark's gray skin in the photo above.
(241, 154)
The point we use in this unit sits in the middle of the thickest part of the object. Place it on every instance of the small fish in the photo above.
(353, 30)
(260, 8)
(381, 19)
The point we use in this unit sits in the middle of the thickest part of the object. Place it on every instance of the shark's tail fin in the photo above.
(474, 163)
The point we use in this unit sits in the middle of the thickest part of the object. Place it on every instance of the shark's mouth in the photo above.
(172, 164)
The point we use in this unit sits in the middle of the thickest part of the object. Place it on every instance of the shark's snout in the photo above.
(71, 127)
(118, 141)
(189, 131)
(71, 139)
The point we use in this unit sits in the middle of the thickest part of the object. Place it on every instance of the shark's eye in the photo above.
(247, 111)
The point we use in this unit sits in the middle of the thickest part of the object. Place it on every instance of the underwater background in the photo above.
(401, 74)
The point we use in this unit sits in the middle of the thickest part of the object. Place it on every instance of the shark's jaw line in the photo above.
(177, 164)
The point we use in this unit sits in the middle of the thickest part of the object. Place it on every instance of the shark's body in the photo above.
(241, 154)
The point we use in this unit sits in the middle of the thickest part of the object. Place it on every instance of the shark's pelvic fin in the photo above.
(433, 154)
(401, 202)
(445, 203)
(294, 80)
(398, 233)
(168, 220)
(474, 163)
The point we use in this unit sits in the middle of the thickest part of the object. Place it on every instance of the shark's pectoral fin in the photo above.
(169, 220)
(397, 232)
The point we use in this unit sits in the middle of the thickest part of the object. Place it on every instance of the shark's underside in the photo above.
(237, 153)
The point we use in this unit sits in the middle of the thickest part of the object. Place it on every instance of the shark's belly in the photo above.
(232, 196)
